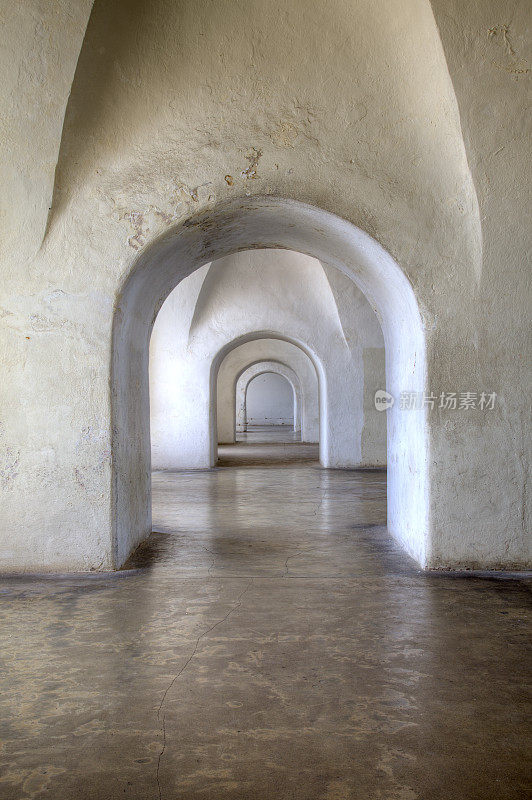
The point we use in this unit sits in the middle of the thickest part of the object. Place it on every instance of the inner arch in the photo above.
(249, 359)
(270, 399)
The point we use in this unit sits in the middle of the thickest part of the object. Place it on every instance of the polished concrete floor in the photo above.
(269, 642)
(269, 434)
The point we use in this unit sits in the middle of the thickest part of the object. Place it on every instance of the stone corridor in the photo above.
(269, 642)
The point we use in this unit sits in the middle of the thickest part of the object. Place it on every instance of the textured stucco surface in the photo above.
(407, 122)
(40, 44)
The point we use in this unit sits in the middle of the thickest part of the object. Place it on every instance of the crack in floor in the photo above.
(209, 571)
(319, 504)
(181, 671)
(295, 555)
(307, 550)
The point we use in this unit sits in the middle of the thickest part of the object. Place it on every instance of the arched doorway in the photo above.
(251, 356)
(269, 402)
(267, 223)
(245, 414)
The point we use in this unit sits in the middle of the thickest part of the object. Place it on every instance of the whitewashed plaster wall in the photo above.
(363, 334)
(408, 122)
(40, 44)
(237, 362)
(175, 383)
(248, 294)
(270, 399)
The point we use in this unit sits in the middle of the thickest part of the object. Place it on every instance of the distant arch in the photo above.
(314, 359)
(255, 352)
(263, 368)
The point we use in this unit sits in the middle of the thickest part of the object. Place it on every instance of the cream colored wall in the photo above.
(418, 141)
(40, 45)
(488, 46)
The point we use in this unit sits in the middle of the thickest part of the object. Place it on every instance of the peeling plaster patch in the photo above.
(41, 324)
(140, 229)
(500, 36)
(253, 157)
(517, 69)
(166, 217)
(9, 470)
(188, 193)
(191, 193)
(139, 225)
(145, 221)
(284, 135)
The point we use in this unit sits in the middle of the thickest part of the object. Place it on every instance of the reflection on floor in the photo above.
(273, 643)
(265, 434)
(272, 445)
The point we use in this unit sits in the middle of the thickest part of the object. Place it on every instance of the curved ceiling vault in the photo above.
(281, 283)
(155, 129)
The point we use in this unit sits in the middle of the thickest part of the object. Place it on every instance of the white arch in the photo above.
(255, 371)
(267, 222)
(260, 350)
(323, 386)
(252, 292)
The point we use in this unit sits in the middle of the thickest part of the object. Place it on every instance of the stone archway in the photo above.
(254, 352)
(245, 224)
(264, 368)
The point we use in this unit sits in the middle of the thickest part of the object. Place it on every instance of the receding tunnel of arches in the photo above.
(269, 401)
(268, 396)
(270, 271)
(262, 429)
(254, 359)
